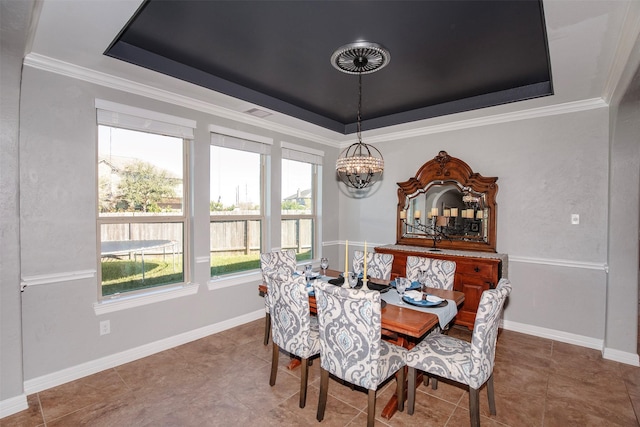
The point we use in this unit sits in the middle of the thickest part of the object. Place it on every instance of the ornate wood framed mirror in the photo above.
(447, 206)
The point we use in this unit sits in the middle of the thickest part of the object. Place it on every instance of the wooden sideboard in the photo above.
(475, 273)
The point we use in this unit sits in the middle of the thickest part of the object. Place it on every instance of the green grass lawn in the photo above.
(126, 275)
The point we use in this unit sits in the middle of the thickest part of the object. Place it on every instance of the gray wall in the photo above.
(548, 168)
(624, 218)
(58, 178)
(15, 19)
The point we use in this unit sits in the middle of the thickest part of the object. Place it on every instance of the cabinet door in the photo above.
(472, 286)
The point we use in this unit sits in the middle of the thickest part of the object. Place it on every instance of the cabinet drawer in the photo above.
(485, 270)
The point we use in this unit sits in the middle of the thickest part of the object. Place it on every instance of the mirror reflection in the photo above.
(446, 209)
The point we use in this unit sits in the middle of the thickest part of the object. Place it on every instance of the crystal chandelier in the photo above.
(360, 165)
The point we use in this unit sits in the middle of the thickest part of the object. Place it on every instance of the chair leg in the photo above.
(322, 400)
(267, 328)
(434, 383)
(411, 390)
(492, 399)
(274, 364)
(400, 388)
(474, 406)
(304, 371)
(371, 409)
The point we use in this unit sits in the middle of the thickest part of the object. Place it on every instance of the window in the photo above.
(142, 202)
(299, 203)
(237, 198)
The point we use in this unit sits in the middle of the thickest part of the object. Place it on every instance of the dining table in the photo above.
(403, 325)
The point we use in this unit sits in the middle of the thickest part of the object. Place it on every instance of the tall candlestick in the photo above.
(346, 259)
(364, 273)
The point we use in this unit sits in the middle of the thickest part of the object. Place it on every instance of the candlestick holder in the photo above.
(436, 231)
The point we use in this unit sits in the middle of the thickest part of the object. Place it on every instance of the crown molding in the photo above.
(45, 63)
(56, 66)
(532, 113)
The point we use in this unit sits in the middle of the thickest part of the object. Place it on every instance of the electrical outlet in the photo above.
(105, 327)
(575, 219)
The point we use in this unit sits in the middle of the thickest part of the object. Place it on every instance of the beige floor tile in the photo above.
(70, 397)
(223, 379)
(602, 398)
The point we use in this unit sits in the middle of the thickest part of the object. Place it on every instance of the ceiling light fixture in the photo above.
(360, 165)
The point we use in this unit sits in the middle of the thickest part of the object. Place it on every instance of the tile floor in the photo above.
(223, 380)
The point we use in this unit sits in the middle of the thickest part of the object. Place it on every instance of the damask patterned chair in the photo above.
(378, 265)
(274, 262)
(467, 363)
(351, 347)
(440, 273)
(292, 327)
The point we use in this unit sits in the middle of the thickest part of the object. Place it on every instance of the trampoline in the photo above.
(123, 247)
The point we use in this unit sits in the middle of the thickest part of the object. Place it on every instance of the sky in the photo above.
(231, 176)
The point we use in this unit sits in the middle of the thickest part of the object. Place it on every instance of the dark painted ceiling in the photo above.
(446, 56)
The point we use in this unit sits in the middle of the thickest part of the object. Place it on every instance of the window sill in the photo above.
(228, 281)
(124, 302)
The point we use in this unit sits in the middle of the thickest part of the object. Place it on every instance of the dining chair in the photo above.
(440, 273)
(467, 363)
(293, 329)
(351, 347)
(276, 261)
(378, 265)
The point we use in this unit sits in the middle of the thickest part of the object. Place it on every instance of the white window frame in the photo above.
(132, 118)
(304, 154)
(244, 141)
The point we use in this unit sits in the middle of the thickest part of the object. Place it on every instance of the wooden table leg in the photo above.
(392, 405)
(293, 364)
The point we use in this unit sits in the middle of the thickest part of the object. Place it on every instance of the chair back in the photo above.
(349, 326)
(378, 265)
(440, 273)
(280, 261)
(276, 262)
(485, 333)
(290, 315)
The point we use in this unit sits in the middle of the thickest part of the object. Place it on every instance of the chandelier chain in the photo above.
(359, 117)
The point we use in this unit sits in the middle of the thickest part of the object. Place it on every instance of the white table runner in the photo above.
(445, 314)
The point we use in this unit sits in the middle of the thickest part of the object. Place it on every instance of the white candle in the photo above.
(447, 212)
(434, 211)
(403, 214)
(454, 212)
(346, 258)
(417, 214)
(479, 215)
(364, 273)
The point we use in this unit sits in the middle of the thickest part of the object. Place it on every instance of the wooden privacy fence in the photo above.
(225, 236)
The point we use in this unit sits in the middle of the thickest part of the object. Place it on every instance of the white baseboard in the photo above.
(13, 405)
(580, 340)
(88, 368)
(553, 334)
(621, 356)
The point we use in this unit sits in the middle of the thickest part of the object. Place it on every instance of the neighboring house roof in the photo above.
(301, 194)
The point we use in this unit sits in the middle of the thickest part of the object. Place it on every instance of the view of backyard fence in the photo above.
(151, 254)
